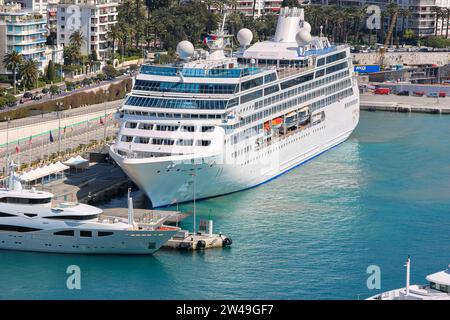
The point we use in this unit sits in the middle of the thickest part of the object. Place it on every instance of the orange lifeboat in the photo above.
(267, 125)
(277, 122)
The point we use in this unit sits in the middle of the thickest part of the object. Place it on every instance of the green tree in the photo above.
(29, 73)
(77, 39)
(51, 72)
(109, 71)
(12, 61)
(290, 3)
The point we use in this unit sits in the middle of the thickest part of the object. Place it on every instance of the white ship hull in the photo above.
(166, 182)
(121, 242)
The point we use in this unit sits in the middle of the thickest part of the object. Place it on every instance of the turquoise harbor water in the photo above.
(310, 234)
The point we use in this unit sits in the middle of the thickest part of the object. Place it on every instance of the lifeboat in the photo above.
(277, 122)
(267, 126)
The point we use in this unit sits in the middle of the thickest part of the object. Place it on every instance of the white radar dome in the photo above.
(303, 37)
(306, 26)
(185, 49)
(245, 37)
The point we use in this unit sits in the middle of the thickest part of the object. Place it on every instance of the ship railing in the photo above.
(199, 72)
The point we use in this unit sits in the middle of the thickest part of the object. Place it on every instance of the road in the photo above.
(48, 97)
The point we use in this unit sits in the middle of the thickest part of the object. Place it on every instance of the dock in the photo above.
(185, 240)
(394, 103)
(172, 217)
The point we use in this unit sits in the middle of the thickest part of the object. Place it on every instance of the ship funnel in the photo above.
(289, 22)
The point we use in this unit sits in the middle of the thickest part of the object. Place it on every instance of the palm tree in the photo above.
(113, 35)
(12, 61)
(437, 12)
(448, 21)
(77, 39)
(404, 13)
(29, 72)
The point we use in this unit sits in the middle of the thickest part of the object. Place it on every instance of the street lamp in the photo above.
(8, 119)
(59, 108)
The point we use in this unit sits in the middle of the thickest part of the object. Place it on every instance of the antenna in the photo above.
(130, 208)
(408, 271)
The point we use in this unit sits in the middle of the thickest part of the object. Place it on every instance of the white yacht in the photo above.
(437, 289)
(29, 222)
(232, 121)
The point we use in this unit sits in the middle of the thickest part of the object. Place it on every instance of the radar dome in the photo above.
(245, 37)
(303, 37)
(185, 49)
(306, 26)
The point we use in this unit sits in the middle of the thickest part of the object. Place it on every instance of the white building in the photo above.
(93, 18)
(23, 31)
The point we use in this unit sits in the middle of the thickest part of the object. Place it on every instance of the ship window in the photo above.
(320, 62)
(105, 233)
(145, 126)
(188, 128)
(4, 227)
(126, 138)
(335, 57)
(320, 73)
(131, 125)
(25, 200)
(67, 233)
(204, 143)
(296, 81)
(142, 140)
(251, 83)
(337, 67)
(251, 96)
(86, 234)
(208, 129)
(3, 215)
(270, 77)
(271, 89)
(184, 142)
(233, 102)
(81, 217)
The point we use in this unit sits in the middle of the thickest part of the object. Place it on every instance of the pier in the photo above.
(394, 103)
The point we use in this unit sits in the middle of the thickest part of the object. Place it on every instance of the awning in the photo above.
(42, 172)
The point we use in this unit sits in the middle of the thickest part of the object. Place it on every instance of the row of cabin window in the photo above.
(298, 90)
(25, 200)
(172, 115)
(159, 86)
(83, 233)
(274, 62)
(163, 127)
(297, 101)
(164, 142)
(331, 58)
(176, 103)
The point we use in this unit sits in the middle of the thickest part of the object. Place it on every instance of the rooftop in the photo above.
(442, 277)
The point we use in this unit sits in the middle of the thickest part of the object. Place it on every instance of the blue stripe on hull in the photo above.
(261, 183)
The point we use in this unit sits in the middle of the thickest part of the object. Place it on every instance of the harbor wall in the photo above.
(406, 58)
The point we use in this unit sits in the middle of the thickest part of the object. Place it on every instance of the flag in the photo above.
(17, 148)
(51, 137)
(101, 121)
(29, 140)
(64, 130)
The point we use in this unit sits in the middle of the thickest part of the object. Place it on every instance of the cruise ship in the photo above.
(218, 121)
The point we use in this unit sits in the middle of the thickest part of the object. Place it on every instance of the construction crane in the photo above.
(382, 50)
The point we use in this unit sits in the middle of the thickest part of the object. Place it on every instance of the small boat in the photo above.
(303, 115)
(437, 289)
(29, 222)
(277, 122)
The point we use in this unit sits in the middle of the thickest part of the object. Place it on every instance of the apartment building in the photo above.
(23, 31)
(93, 18)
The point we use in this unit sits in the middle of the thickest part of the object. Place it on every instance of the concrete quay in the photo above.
(394, 103)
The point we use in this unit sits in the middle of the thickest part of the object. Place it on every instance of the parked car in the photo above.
(442, 94)
(382, 91)
(418, 93)
(432, 95)
(27, 95)
(403, 93)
